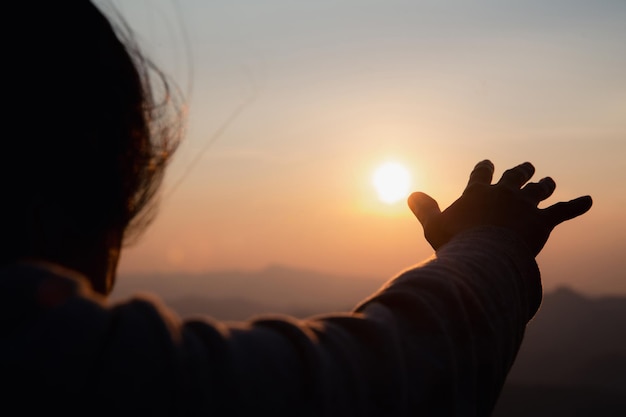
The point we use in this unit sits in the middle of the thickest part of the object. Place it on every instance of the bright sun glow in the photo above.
(392, 182)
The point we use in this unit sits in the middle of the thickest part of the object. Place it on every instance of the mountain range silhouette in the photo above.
(572, 361)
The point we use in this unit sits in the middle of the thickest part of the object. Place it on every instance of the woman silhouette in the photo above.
(80, 176)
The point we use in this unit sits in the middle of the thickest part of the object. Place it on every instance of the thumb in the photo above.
(424, 207)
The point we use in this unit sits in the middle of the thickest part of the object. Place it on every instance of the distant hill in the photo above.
(558, 401)
(572, 361)
(274, 289)
(575, 338)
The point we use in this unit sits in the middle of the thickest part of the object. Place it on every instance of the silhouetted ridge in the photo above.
(572, 361)
(573, 355)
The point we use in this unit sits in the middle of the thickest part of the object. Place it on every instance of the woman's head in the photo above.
(93, 140)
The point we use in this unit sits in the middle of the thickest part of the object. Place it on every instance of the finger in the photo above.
(481, 174)
(560, 212)
(518, 176)
(424, 207)
(539, 191)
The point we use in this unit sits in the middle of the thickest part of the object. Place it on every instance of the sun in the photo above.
(392, 182)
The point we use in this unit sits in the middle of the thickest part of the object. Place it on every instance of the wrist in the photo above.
(493, 247)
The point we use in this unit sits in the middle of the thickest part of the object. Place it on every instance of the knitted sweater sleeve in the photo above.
(437, 340)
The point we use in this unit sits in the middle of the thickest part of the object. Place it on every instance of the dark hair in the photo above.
(97, 123)
(154, 124)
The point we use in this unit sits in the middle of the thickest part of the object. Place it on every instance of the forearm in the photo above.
(461, 317)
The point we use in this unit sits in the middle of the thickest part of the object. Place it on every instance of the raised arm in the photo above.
(461, 315)
(439, 339)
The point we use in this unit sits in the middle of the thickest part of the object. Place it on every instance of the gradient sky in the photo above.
(332, 89)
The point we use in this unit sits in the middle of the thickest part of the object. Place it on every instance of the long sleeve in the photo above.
(437, 340)
(462, 316)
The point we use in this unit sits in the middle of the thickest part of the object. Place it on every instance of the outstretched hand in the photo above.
(508, 203)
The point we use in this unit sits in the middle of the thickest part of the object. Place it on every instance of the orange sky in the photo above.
(340, 87)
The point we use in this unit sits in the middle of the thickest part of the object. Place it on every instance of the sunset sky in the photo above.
(332, 89)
